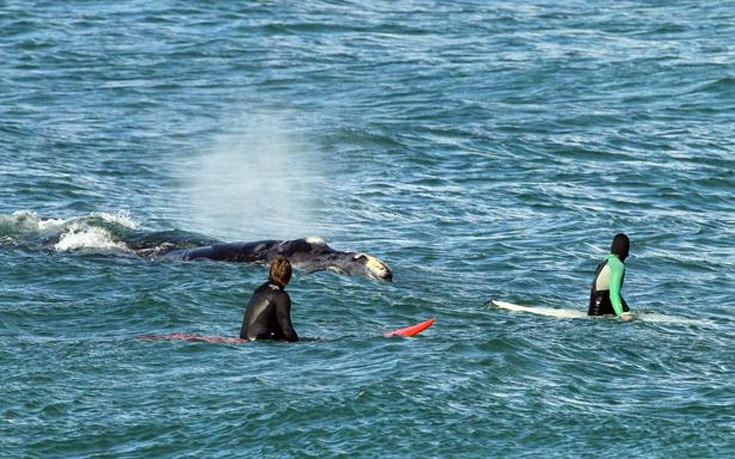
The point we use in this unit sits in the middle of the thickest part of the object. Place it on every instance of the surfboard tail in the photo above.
(412, 330)
(192, 337)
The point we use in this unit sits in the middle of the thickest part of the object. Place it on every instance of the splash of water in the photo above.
(256, 184)
(79, 236)
(78, 232)
(122, 218)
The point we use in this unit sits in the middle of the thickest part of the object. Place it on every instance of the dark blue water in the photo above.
(484, 150)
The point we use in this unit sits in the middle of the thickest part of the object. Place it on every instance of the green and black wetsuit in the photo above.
(605, 297)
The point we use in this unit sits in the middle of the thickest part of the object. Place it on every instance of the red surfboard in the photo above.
(413, 330)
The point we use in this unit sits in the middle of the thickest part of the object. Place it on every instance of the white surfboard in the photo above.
(559, 313)
(572, 314)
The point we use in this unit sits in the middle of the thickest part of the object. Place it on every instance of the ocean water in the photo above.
(483, 149)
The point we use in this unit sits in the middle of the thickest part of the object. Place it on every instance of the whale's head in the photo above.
(373, 268)
(313, 254)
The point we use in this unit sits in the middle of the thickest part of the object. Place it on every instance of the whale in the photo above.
(309, 254)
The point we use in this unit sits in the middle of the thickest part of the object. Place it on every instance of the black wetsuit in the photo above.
(268, 315)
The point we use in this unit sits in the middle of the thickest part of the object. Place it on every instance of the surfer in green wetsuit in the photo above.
(605, 297)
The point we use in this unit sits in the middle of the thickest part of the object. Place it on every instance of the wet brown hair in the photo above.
(280, 272)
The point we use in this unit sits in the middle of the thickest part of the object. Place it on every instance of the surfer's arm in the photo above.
(617, 271)
(283, 315)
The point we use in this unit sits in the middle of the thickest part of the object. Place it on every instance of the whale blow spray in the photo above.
(256, 183)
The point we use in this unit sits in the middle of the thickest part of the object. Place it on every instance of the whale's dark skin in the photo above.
(308, 254)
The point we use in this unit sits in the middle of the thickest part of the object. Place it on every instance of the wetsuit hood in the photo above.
(620, 246)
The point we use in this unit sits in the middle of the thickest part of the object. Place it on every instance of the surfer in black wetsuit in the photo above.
(606, 297)
(268, 315)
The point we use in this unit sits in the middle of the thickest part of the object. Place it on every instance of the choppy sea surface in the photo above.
(483, 149)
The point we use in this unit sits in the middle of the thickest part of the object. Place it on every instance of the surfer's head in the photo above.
(280, 272)
(621, 246)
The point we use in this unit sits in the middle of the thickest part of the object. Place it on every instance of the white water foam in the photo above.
(79, 236)
(122, 218)
(75, 233)
(28, 220)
